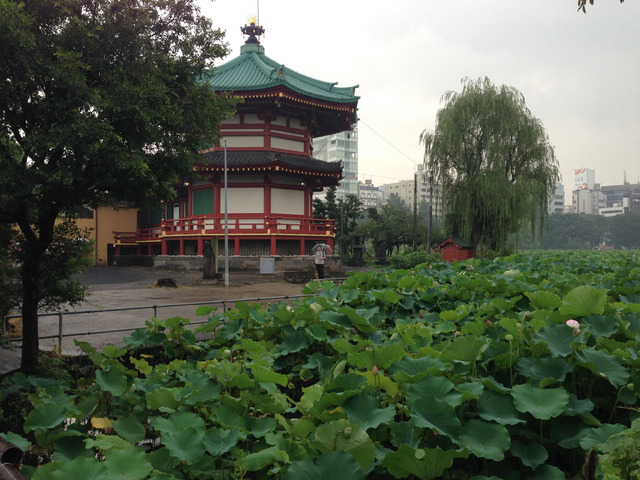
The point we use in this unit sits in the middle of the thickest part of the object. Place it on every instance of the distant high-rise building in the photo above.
(556, 202)
(342, 147)
(584, 179)
(405, 189)
(369, 194)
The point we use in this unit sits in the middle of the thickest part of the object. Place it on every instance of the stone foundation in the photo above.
(291, 268)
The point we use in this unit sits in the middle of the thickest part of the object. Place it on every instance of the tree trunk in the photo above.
(30, 342)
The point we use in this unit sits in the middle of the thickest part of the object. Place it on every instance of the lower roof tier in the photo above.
(326, 173)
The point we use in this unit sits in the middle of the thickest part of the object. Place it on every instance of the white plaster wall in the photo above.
(287, 201)
(243, 200)
(286, 144)
(242, 142)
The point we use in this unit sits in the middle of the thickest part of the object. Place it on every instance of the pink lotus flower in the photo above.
(574, 325)
(374, 370)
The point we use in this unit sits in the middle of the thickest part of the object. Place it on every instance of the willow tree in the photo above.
(582, 4)
(494, 161)
(100, 102)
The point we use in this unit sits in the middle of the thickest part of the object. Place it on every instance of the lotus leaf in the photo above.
(348, 437)
(332, 465)
(218, 441)
(440, 387)
(410, 370)
(485, 439)
(604, 366)
(432, 412)
(266, 375)
(546, 472)
(544, 300)
(539, 369)
(129, 428)
(45, 416)
(112, 380)
(597, 436)
(496, 407)
(584, 300)
(362, 409)
(81, 467)
(557, 338)
(532, 455)
(542, 404)
(426, 464)
(464, 349)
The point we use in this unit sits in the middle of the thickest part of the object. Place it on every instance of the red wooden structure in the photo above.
(267, 154)
(455, 250)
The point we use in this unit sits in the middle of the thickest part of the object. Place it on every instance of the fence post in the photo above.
(155, 311)
(60, 331)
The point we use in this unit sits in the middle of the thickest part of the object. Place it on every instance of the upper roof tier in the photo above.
(253, 70)
(256, 77)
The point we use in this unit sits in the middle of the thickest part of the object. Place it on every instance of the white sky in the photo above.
(579, 74)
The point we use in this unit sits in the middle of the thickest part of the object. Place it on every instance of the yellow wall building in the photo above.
(105, 221)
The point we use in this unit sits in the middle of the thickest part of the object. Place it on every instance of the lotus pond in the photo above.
(524, 367)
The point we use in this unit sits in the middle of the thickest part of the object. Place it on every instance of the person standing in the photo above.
(319, 260)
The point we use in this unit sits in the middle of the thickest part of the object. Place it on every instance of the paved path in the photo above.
(120, 287)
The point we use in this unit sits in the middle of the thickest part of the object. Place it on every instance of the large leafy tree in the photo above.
(345, 211)
(494, 161)
(101, 101)
(387, 227)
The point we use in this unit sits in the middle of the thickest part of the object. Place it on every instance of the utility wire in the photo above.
(396, 148)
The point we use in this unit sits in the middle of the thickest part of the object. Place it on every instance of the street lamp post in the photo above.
(430, 211)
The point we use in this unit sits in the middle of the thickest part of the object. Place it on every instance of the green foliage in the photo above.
(345, 212)
(621, 454)
(494, 161)
(511, 368)
(571, 231)
(387, 227)
(410, 259)
(101, 102)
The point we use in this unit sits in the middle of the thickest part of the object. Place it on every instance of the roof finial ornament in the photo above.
(254, 31)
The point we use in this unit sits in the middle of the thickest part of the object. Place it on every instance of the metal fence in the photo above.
(155, 308)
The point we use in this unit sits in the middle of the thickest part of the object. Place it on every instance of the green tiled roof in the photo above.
(253, 70)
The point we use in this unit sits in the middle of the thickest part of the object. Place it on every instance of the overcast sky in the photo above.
(579, 74)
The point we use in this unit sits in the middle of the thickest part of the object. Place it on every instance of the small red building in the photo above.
(271, 173)
(455, 250)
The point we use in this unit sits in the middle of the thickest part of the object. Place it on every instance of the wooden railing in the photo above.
(215, 225)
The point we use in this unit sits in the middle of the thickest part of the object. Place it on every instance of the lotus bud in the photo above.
(487, 322)
(508, 337)
(574, 325)
(374, 370)
(630, 386)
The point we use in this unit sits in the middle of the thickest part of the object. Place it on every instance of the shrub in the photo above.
(407, 259)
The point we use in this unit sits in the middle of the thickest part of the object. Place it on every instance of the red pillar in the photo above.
(200, 246)
(273, 245)
(302, 249)
(181, 247)
(165, 247)
(267, 195)
(236, 246)
(308, 203)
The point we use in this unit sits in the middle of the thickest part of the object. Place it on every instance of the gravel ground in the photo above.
(125, 287)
